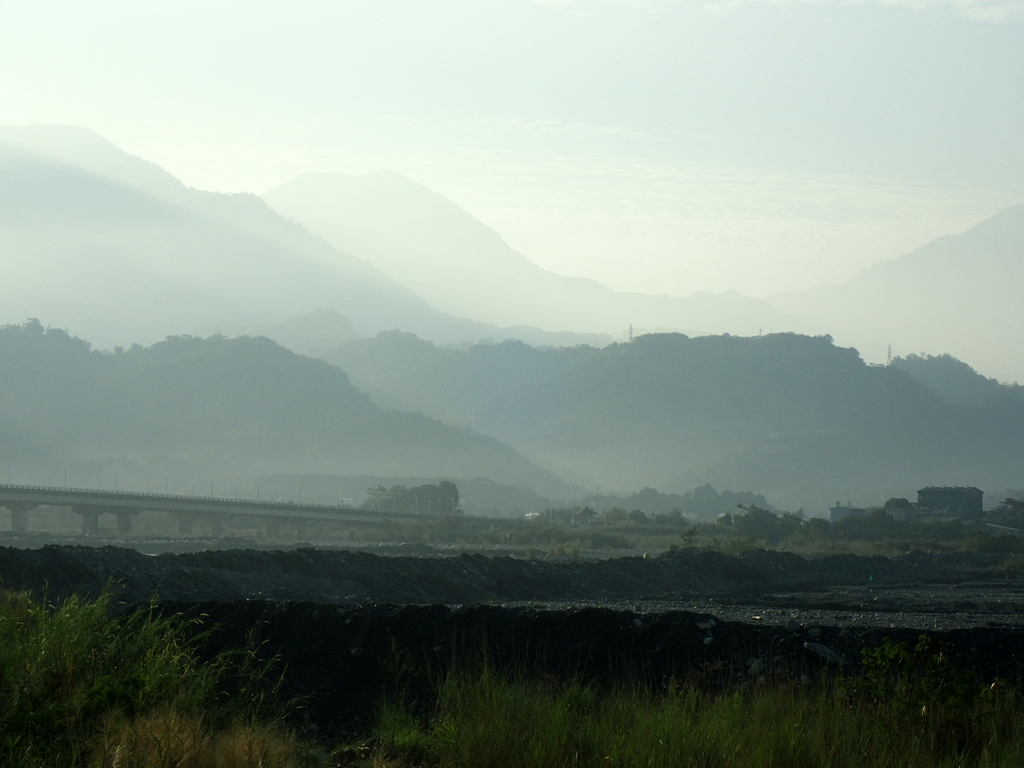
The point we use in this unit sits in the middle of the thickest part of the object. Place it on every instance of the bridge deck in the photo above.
(23, 497)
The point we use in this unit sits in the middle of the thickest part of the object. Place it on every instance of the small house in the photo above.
(585, 515)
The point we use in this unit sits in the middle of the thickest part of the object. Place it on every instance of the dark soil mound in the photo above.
(349, 577)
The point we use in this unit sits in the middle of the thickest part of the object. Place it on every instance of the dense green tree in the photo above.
(433, 498)
(765, 525)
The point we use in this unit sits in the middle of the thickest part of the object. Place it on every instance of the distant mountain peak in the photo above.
(87, 150)
(383, 206)
(958, 294)
(120, 250)
(460, 265)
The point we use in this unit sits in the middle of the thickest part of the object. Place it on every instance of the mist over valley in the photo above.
(442, 353)
(119, 251)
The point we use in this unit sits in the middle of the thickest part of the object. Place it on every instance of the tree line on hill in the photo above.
(702, 503)
(795, 417)
(195, 410)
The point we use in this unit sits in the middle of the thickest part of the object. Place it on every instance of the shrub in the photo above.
(72, 674)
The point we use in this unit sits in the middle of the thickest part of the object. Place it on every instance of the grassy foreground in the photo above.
(82, 687)
(486, 719)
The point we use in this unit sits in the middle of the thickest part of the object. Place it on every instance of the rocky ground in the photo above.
(348, 626)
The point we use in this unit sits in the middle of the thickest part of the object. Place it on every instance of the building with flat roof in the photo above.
(841, 512)
(951, 500)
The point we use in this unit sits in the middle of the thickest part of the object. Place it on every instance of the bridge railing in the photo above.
(225, 500)
(176, 496)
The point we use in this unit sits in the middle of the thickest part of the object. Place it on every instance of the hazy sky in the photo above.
(658, 146)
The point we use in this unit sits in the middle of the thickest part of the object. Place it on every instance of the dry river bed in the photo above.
(348, 627)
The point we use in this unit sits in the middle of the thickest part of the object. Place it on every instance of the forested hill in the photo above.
(791, 416)
(955, 381)
(214, 408)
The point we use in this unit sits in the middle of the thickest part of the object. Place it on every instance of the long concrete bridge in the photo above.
(90, 504)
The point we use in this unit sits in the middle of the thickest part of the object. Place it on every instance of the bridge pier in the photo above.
(90, 519)
(19, 520)
(19, 515)
(302, 528)
(186, 523)
(124, 519)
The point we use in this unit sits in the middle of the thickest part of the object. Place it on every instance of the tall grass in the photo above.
(80, 686)
(485, 719)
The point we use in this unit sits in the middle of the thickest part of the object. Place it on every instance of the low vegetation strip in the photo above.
(484, 719)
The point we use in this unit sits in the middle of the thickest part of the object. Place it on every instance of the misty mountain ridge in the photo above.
(90, 153)
(955, 295)
(959, 294)
(955, 381)
(312, 334)
(460, 265)
(120, 251)
(794, 417)
(216, 408)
